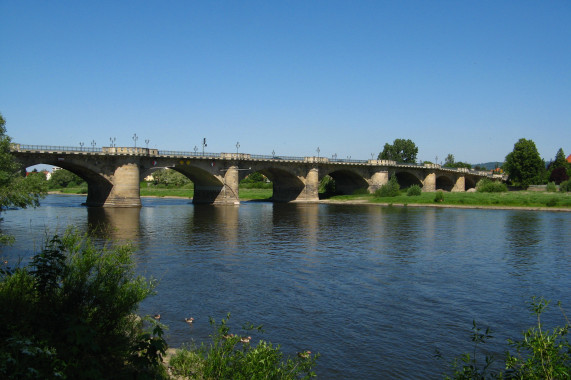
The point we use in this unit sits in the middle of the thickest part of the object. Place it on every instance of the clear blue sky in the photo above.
(463, 77)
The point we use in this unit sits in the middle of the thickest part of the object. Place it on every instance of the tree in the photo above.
(15, 189)
(64, 178)
(169, 177)
(524, 165)
(449, 160)
(559, 170)
(401, 151)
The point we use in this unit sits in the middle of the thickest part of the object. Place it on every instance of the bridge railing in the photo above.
(187, 154)
(51, 148)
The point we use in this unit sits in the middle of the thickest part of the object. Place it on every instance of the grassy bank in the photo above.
(507, 199)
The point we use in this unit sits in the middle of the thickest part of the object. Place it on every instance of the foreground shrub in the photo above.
(70, 314)
(486, 185)
(232, 356)
(541, 354)
(389, 189)
(439, 196)
(414, 191)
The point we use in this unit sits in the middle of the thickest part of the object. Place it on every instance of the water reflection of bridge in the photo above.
(113, 174)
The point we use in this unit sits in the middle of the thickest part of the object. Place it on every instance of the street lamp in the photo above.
(81, 145)
(334, 156)
(273, 153)
(135, 138)
(93, 143)
(195, 150)
(318, 150)
(203, 145)
(237, 146)
(112, 141)
(147, 141)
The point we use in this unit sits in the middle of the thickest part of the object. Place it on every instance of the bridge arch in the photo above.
(407, 179)
(444, 182)
(346, 181)
(287, 186)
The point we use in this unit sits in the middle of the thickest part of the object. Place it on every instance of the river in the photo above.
(376, 290)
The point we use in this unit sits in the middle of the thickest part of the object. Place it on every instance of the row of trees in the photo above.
(523, 165)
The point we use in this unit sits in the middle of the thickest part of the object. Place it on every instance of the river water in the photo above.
(376, 290)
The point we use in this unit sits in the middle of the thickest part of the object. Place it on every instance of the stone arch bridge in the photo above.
(113, 174)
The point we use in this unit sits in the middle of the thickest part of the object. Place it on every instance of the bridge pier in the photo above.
(460, 184)
(429, 183)
(310, 192)
(125, 191)
(224, 191)
(378, 179)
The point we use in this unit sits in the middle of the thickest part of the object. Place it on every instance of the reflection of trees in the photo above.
(115, 223)
(523, 234)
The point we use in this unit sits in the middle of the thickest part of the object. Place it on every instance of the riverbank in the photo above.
(512, 200)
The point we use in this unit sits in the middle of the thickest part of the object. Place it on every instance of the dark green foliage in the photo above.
(439, 196)
(327, 185)
(389, 189)
(414, 190)
(565, 186)
(558, 175)
(232, 356)
(401, 151)
(62, 178)
(486, 185)
(524, 165)
(541, 354)
(15, 189)
(70, 314)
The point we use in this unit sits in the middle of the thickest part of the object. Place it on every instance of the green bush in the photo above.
(565, 186)
(551, 202)
(439, 196)
(232, 356)
(541, 354)
(414, 191)
(551, 187)
(70, 314)
(486, 185)
(389, 189)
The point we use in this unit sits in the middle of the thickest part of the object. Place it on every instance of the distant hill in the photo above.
(489, 165)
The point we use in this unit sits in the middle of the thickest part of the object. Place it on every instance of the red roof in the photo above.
(569, 158)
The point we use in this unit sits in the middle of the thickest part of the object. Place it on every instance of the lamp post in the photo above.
(237, 146)
(195, 150)
(318, 150)
(273, 153)
(93, 143)
(135, 138)
(112, 141)
(81, 144)
(203, 145)
(334, 156)
(147, 141)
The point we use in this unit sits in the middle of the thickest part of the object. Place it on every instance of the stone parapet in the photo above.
(316, 160)
(129, 151)
(235, 156)
(382, 162)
